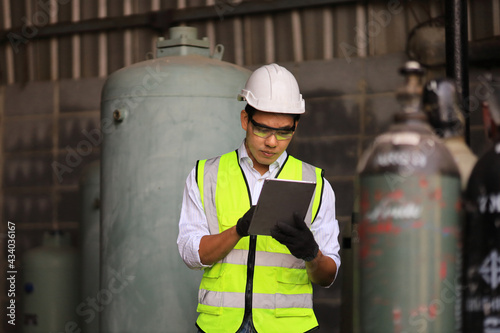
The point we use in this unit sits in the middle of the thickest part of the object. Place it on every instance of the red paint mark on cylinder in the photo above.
(417, 224)
(396, 319)
(432, 311)
(442, 271)
(437, 194)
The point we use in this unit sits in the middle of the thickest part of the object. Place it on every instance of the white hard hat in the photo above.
(273, 88)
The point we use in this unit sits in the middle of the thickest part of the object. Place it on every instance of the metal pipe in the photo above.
(154, 20)
(485, 52)
(457, 61)
(163, 19)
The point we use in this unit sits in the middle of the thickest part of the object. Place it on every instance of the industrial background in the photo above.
(55, 56)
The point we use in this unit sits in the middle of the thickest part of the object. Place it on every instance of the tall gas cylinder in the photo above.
(482, 231)
(50, 285)
(158, 118)
(89, 246)
(409, 224)
(442, 105)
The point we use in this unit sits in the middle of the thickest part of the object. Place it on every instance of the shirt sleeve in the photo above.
(193, 224)
(325, 227)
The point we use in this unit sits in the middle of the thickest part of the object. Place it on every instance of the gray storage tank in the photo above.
(50, 285)
(158, 117)
(89, 247)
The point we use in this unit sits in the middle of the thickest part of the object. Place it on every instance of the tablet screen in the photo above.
(278, 200)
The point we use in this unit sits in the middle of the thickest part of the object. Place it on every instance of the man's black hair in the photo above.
(250, 110)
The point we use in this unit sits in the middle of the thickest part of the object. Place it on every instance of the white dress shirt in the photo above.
(193, 224)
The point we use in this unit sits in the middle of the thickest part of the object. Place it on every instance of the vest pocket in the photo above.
(293, 312)
(293, 305)
(294, 294)
(228, 220)
(209, 295)
(292, 276)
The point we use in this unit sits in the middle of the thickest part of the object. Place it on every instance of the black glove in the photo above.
(297, 238)
(244, 222)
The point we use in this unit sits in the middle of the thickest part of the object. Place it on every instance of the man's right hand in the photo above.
(244, 222)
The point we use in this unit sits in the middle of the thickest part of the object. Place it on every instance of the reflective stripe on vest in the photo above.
(281, 287)
(262, 301)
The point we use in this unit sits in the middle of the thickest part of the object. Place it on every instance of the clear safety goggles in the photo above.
(264, 131)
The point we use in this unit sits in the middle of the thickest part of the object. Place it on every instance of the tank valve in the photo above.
(410, 94)
(119, 115)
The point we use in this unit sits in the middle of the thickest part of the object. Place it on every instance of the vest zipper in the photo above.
(251, 253)
(250, 274)
(252, 247)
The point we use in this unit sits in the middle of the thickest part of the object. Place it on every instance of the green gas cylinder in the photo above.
(50, 282)
(409, 230)
(158, 118)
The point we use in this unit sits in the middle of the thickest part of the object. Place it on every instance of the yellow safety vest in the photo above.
(260, 274)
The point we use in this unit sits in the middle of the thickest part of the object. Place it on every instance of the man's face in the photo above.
(264, 151)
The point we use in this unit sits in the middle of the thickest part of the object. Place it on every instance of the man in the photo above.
(482, 228)
(258, 283)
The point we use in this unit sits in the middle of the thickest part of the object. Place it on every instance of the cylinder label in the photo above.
(409, 245)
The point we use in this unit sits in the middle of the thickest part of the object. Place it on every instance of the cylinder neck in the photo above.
(410, 117)
(183, 41)
(409, 95)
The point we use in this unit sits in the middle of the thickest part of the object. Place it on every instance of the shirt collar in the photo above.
(244, 158)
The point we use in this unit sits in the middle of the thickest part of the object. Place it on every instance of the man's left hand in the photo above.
(297, 238)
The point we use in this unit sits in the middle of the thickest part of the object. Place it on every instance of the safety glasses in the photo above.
(263, 131)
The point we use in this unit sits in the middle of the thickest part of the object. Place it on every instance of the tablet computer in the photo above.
(278, 200)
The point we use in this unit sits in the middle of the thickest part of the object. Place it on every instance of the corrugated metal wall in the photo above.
(350, 99)
(341, 29)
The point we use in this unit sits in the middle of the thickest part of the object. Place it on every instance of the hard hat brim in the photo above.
(289, 108)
